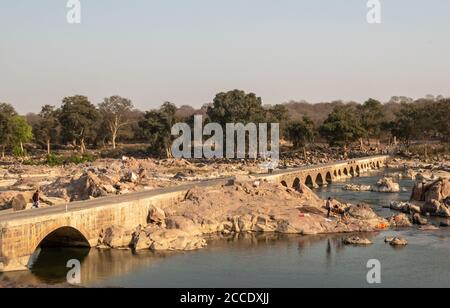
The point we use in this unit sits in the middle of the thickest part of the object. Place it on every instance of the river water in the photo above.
(260, 261)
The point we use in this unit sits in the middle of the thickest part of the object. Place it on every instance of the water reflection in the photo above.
(101, 266)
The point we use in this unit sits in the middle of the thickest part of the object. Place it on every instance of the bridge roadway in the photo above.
(81, 223)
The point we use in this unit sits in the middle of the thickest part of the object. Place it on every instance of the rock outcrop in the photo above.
(386, 185)
(241, 207)
(355, 187)
(434, 197)
(400, 221)
(356, 240)
(405, 207)
(396, 241)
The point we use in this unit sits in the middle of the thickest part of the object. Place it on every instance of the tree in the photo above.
(4, 132)
(7, 109)
(279, 114)
(21, 132)
(116, 111)
(236, 107)
(404, 126)
(372, 116)
(79, 120)
(156, 127)
(7, 112)
(441, 118)
(342, 126)
(300, 133)
(47, 129)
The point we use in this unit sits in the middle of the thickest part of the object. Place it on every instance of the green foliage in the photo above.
(372, 116)
(8, 110)
(236, 107)
(79, 120)
(342, 126)
(156, 127)
(279, 114)
(422, 121)
(59, 160)
(47, 128)
(18, 151)
(300, 133)
(21, 131)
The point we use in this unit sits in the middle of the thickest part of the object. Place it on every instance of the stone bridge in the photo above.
(320, 175)
(79, 224)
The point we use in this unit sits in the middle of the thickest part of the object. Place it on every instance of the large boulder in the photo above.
(436, 208)
(439, 190)
(356, 240)
(404, 207)
(434, 192)
(141, 240)
(400, 221)
(174, 239)
(156, 215)
(386, 185)
(362, 212)
(117, 237)
(435, 196)
(7, 197)
(396, 241)
(184, 224)
(19, 203)
(419, 220)
(87, 186)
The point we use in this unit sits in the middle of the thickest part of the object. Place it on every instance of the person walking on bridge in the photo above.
(35, 199)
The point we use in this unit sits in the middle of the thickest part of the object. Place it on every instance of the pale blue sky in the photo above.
(186, 51)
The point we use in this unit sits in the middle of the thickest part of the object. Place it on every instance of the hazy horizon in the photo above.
(187, 51)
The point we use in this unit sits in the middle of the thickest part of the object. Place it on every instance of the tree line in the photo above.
(81, 124)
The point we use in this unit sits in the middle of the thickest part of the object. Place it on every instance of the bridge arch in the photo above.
(329, 178)
(352, 171)
(319, 180)
(378, 165)
(297, 185)
(335, 173)
(309, 182)
(358, 171)
(345, 172)
(284, 184)
(65, 236)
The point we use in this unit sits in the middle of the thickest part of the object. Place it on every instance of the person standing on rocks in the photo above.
(328, 207)
(35, 199)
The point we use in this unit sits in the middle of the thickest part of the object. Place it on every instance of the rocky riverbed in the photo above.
(247, 205)
(60, 185)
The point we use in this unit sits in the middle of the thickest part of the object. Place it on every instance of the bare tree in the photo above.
(115, 111)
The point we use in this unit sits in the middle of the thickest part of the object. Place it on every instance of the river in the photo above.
(266, 260)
